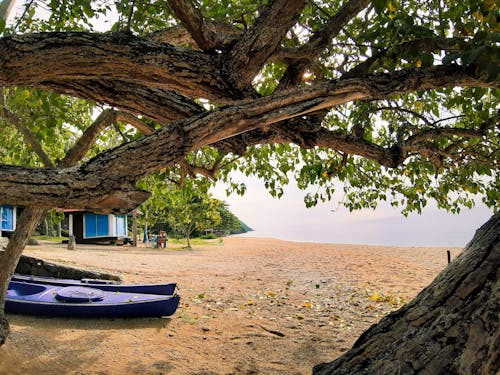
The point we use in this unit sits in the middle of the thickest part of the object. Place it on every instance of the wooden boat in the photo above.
(107, 285)
(80, 301)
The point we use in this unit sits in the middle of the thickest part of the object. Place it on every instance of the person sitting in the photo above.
(162, 239)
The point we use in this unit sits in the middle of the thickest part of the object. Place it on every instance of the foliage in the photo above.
(228, 221)
(54, 121)
(186, 208)
(394, 34)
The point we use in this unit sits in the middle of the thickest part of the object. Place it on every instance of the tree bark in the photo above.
(188, 238)
(28, 220)
(451, 327)
(193, 21)
(134, 229)
(61, 57)
(108, 180)
(261, 40)
(46, 226)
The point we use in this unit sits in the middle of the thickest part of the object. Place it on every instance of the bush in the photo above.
(209, 236)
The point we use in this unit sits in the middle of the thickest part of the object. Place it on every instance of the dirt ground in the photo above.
(248, 306)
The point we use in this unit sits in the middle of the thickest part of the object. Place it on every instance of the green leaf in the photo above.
(427, 60)
(380, 5)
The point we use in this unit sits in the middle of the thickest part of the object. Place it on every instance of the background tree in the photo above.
(186, 208)
(229, 222)
(397, 100)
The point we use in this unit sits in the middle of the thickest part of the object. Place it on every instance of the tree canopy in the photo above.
(185, 208)
(397, 100)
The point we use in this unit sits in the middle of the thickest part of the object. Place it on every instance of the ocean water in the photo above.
(430, 229)
(288, 218)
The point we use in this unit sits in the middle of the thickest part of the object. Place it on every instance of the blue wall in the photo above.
(96, 225)
(7, 218)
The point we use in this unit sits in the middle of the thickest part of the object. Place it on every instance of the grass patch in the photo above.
(50, 238)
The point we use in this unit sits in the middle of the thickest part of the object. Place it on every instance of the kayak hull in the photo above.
(107, 285)
(50, 300)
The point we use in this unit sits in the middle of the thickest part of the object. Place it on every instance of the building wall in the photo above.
(88, 227)
(8, 216)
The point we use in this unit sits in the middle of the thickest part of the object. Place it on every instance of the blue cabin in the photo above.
(89, 227)
(8, 215)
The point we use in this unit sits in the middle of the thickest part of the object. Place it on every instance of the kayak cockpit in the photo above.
(20, 289)
(79, 294)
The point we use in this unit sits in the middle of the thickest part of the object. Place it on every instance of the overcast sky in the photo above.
(288, 218)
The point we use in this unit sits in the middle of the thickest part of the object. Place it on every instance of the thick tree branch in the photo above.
(302, 137)
(108, 181)
(81, 147)
(225, 36)
(162, 106)
(104, 120)
(260, 41)
(193, 21)
(135, 122)
(33, 59)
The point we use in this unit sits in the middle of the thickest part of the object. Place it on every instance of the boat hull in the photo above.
(107, 285)
(38, 299)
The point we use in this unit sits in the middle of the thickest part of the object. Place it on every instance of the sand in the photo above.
(248, 306)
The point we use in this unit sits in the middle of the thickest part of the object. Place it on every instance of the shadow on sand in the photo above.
(99, 324)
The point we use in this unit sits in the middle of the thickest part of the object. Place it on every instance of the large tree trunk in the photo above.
(451, 327)
(28, 221)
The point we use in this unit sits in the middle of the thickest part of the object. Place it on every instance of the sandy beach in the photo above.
(248, 306)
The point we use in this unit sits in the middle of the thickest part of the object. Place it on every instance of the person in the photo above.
(162, 239)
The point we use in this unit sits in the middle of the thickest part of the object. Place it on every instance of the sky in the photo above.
(288, 218)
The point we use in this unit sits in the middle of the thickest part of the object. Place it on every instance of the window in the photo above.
(96, 225)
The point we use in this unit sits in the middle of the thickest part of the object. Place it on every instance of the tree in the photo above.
(396, 100)
(229, 223)
(186, 207)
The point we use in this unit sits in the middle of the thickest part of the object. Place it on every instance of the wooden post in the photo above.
(146, 228)
(449, 256)
(134, 228)
(71, 242)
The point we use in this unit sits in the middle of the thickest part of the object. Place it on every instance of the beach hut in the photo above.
(90, 227)
(8, 215)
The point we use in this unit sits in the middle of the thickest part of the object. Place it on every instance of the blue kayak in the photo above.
(80, 301)
(107, 285)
